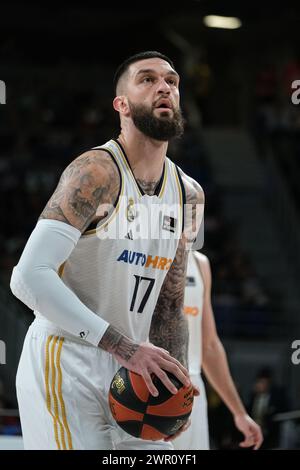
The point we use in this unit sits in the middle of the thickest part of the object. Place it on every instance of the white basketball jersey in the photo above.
(117, 269)
(193, 307)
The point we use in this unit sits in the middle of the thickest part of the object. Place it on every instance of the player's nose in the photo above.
(164, 87)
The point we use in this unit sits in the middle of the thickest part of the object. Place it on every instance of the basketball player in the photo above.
(206, 351)
(96, 287)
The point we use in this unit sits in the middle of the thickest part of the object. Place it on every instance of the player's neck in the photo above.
(146, 156)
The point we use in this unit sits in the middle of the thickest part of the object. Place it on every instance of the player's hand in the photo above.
(149, 359)
(196, 391)
(180, 431)
(251, 430)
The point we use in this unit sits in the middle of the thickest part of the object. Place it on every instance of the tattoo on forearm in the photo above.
(169, 328)
(81, 190)
(116, 343)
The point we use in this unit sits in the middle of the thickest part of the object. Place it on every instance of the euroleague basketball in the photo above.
(144, 416)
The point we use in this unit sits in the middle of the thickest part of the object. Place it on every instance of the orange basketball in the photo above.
(144, 416)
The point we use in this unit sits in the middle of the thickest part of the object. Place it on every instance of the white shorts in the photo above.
(62, 391)
(196, 437)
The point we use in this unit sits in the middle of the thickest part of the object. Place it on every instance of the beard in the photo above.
(161, 128)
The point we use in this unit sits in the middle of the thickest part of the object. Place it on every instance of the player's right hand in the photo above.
(149, 359)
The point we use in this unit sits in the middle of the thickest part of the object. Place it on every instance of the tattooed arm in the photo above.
(169, 327)
(89, 182)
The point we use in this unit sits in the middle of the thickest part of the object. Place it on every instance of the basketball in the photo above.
(140, 414)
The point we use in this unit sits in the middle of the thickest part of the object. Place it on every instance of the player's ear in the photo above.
(120, 104)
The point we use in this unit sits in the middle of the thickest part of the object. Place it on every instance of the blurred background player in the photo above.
(207, 352)
(266, 400)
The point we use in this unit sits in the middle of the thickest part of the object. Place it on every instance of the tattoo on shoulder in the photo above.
(194, 209)
(89, 180)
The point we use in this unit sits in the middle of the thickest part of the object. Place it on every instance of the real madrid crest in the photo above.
(130, 210)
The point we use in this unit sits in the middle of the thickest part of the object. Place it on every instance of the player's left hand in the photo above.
(251, 430)
(183, 428)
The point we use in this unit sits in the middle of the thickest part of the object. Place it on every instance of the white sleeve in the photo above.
(35, 281)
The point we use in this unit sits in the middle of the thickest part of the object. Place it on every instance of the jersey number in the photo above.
(138, 281)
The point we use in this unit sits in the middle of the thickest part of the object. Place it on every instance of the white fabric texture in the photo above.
(62, 389)
(193, 308)
(36, 282)
(117, 270)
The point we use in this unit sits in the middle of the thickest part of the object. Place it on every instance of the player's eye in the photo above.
(148, 79)
(172, 81)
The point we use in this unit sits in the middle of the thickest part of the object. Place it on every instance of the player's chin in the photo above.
(164, 112)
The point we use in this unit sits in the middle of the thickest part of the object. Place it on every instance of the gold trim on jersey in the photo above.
(48, 395)
(162, 189)
(54, 396)
(124, 159)
(61, 269)
(52, 365)
(60, 395)
(180, 193)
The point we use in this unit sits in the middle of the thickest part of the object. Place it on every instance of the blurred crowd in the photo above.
(9, 424)
(266, 400)
(277, 117)
(242, 305)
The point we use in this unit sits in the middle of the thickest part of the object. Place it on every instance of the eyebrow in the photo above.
(143, 71)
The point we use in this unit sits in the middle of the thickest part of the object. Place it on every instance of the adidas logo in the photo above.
(83, 334)
(129, 235)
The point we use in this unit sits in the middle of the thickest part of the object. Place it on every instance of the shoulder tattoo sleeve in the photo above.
(88, 181)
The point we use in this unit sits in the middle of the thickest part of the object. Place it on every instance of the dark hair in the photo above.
(135, 58)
